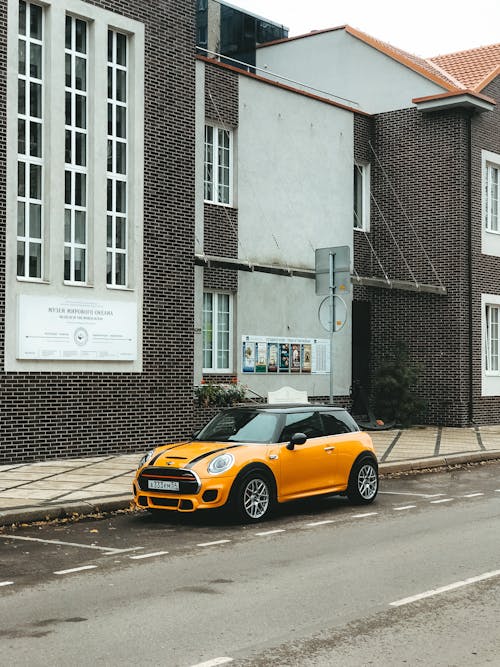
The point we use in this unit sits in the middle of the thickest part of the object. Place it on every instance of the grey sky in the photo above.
(426, 28)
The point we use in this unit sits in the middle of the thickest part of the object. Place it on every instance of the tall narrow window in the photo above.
(361, 202)
(217, 332)
(492, 348)
(218, 165)
(76, 175)
(117, 216)
(29, 142)
(492, 197)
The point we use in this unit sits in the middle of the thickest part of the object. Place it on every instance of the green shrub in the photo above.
(220, 395)
(395, 386)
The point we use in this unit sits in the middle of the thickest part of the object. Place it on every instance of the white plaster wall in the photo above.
(295, 175)
(270, 305)
(295, 180)
(338, 63)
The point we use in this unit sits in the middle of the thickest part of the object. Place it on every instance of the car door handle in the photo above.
(329, 449)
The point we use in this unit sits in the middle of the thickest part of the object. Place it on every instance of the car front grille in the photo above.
(188, 480)
(165, 502)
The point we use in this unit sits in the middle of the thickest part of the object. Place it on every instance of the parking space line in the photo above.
(444, 589)
(6, 583)
(76, 569)
(214, 663)
(271, 532)
(110, 550)
(401, 493)
(319, 523)
(473, 495)
(362, 516)
(210, 544)
(443, 500)
(155, 553)
(406, 507)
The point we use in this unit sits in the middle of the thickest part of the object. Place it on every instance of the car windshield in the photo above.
(241, 426)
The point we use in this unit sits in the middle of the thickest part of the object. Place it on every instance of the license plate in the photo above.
(162, 485)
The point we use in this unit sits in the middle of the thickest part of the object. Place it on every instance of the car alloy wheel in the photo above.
(253, 497)
(256, 498)
(363, 482)
(367, 482)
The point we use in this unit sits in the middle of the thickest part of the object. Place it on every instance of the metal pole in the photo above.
(332, 318)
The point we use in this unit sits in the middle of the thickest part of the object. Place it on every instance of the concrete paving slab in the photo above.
(27, 494)
(458, 440)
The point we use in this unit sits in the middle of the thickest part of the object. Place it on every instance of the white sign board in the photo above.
(71, 329)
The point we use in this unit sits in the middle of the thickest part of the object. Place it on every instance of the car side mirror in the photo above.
(296, 439)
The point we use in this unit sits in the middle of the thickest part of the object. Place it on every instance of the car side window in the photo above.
(337, 422)
(308, 423)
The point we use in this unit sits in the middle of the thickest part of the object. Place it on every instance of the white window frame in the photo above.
(362, 169)
(116, 179)
(25, 161)
(214, 368)
(492, 339)
(214, 182)
(490, 376)
(491, 193)
(72, 168)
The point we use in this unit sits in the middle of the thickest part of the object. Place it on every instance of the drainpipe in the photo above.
(470, 240)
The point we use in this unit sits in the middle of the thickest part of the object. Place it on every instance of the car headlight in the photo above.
(220, 464)
(146, 458)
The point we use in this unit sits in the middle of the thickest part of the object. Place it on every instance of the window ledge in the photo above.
(40, 281)
(120, 288)
(217, 203)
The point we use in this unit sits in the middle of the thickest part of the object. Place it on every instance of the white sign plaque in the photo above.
(71, 329)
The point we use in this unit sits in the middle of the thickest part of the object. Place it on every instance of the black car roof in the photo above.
(287, 408)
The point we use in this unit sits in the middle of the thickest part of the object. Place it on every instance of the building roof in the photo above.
(474, 68)
(468, 70)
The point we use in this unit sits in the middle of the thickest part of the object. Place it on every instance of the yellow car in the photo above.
(250, 458)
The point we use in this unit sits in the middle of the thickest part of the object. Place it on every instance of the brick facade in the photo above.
(485, 268)
(221, 222)
(424, 220)
(46, 415)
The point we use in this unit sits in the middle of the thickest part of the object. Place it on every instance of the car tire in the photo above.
(253, 497)
(362, 488)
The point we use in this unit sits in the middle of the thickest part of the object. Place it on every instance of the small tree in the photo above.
(394, 387)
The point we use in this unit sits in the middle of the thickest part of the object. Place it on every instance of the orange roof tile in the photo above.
(474, 68)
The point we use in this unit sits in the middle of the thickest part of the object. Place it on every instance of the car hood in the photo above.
(186, 454)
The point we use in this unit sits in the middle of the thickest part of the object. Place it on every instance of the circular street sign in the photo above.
(325, 314)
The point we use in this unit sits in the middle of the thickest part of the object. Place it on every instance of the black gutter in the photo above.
(470, 255)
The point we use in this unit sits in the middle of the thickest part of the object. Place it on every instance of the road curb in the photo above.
(48, 513)
(438, 462)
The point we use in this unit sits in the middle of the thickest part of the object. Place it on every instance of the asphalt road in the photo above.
(412, 579)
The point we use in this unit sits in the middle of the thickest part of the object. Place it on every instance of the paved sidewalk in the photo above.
(57, 488)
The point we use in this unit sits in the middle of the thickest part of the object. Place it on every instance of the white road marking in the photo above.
(320, 523)
(271, 532)
(76, 569)
(156, 553)
(209, 544)
(473, 495)
(6, 583)
(420, 495)
(362, 516)
(444, 589)
(109, 550)
(406, 507)
(443, 500)
(214, 662)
